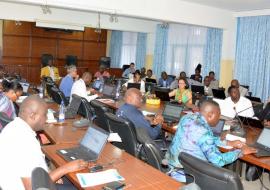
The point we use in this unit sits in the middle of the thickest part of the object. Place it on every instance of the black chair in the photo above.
(172, 76)
(124, 67)
(85, 109)
(153, 155)
(126, 131)
(208, 176)
(41, 180)
(58, 96)
(99, 110)
(245, 86)
(49, 86)
(4, 120)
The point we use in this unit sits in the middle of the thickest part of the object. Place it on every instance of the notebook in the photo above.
(263, 143)
(172, 112)
(197, 89)
(89, 148)
(220, 94)
(217, 130)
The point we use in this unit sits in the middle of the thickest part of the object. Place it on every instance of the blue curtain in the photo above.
(160, 50)
(252, 59)
(212, 51)
(116, 48)
(141, 50)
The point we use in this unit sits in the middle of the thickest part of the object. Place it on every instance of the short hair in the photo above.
(137, 72)
(11, 85)
(211, 72)
(231, 88)
(150, 70)
(205, 77)
(132, 63)
(71, 68)
(209, 102)
(163, 72)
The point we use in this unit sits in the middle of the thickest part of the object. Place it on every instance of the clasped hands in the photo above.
(240, 145)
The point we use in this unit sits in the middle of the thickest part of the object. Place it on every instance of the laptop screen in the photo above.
(264, 138)
(108, 90)
(94, 139)
(217, 130)
(96, 84)
(172, 111)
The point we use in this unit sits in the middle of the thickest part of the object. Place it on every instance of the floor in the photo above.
(256, 185)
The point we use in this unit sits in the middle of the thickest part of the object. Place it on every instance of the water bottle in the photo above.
(101, 84)
(118, 88)
(62, 112)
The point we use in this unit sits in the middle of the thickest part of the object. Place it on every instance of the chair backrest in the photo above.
(58, 96)
(85, 109)
(153, 155)
(245, 86)
(208, 176)
(4, 120)
(49, 86)
(125, 130)
(41, 180)
(100, 119)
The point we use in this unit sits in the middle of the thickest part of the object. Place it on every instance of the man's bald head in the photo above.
(87, 77)
(33, 111)
(133, 96)
(235, 83)
(211, 111)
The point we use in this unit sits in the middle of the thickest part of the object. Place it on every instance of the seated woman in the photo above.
(137, 79)
(182, 94)
(7, 96)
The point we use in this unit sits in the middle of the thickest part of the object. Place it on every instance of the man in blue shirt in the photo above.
(67, 81)
(129, 70)
(194, 136)
(130, 110)
(165, 81)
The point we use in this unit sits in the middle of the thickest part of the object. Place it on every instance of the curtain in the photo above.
(185, 48)
(160, 50)
(128, 48)
(252, 59)
(116, 48)
(141, 50)
(212, 51)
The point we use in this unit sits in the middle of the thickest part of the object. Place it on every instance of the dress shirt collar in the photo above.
(26, 128)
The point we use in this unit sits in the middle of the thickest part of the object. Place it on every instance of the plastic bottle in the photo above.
(101, 85)
(62, 112)
(118, 88)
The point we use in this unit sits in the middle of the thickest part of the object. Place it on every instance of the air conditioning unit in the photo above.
(59, 25)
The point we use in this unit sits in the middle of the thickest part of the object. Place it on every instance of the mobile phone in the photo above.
(115, 185)
(96, 168)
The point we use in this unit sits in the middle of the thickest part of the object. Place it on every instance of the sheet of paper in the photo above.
(226, 127)
(147, 113)
(114, 137)
(230, 137)
(97, 178)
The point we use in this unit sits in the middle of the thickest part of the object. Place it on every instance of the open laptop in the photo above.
(263, 143)
(217, 130)
(96, 85)
(150, 80)
(149, 86)
(220, 94)
(134, 85)
(108, 91)
(162, 95)
(89, 148)
(172, 112)
(251, 122)
(197, 89)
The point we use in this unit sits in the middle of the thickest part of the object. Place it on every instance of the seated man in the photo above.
(129, 70)
(243, 91)
(236, 104)
(102, 72)
(21, 151)
(79, 87)
(214, 83)
(207, 86)
(68, 80)
(149, 74)
(165, 81)
(130, 110)
(143, 74)
(49, 70)
(194, 136)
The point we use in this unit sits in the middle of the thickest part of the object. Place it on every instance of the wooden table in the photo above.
(138, 175)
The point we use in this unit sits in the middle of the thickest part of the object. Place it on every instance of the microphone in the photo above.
(238, 130)
(242, 110)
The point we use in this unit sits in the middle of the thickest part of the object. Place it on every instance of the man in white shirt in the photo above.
(236, 104)
(79, 87)
(21, 151)
(243, 91)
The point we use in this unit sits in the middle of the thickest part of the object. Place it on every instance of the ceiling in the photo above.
(235, 5)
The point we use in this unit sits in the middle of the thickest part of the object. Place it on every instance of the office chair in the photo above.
(208, 176)
(126, 131)
(124, 67)
(172, 76)
(99, 110)
(41, 180)
(153, 155)
(58, 96)
(85, 109)
(245, 86)
(49, 86)
(4, 120)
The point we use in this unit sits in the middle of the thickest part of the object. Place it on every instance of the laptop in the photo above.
(217, 130)
(251, 122)
(108, 91)
(96, 85)
(197, 89)
(254, 99)
(25, 86)
(220, 94)
(263, 143)
(72, 110)
(172, 113)
(150, 80)
(134, 85)
(89, 148)
(162, 95)
(149, 86)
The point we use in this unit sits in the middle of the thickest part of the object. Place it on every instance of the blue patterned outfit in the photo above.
(194, 136)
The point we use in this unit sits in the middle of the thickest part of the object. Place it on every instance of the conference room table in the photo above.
(252, 133)
(138, 174)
